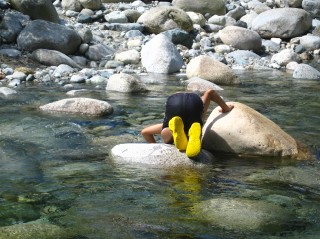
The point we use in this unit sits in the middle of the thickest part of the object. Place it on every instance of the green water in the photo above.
(56, 173)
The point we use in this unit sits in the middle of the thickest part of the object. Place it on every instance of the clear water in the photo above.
(57, 167)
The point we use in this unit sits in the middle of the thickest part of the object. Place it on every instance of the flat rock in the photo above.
(159, 154)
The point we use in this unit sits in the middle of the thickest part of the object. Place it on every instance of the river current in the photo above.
(56, 169)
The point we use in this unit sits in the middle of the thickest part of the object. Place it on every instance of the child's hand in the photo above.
(225, 110)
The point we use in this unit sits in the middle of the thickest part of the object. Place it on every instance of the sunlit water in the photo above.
(57, 167)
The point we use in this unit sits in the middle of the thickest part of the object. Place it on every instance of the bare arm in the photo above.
(212, 95)
(149, 132)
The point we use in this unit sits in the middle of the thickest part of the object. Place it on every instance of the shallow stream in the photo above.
(55, 169)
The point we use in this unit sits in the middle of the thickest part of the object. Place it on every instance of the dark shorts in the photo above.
(188, 106)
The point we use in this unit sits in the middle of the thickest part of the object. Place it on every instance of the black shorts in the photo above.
(188, 106)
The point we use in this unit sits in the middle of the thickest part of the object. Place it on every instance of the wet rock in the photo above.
(7, 91)
(39, 9)
(125, 83)
(304, 71)
(253, 134)
(246, 214)
(40, 34)
(215, 7)
(160, 19)
(53, 58)
(241, 38)
(165, 57)
(159, 155)
(212, 70)
(79, 106)
(282, 23)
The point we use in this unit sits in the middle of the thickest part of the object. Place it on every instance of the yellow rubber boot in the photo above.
(194, 144)
(179, 137)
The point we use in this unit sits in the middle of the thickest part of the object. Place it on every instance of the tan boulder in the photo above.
(244, 131)
(212, 70)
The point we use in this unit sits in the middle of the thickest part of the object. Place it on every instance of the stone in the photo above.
(41, 34)
(284, 23)
(165, 57)
(11, 25)
(285, 56)
(247, 214)
(128, 57)
(201, 85)
(80, 105)
(7, 91)
(253, 134)
(160, 19)
(304, 71)
(37, 9)
(212, 70)
(125, 83)
(157, 155)
(211, 7)
(312, 6)
(241, 38)
(53, 58)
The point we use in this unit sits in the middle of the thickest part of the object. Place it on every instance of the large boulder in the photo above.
(85, 106)
(160, 19)
(125, 83)
(37, 9)
(213, 7)
(312, 6)
(165, 57)
(282, 23)
(241, 38)
(212, 70)
(41, 34)
(244, 131)
(157, 155)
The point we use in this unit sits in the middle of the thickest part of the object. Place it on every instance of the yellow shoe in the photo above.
(194, 144)
(179, 137)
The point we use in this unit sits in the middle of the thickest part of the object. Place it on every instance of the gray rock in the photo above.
(11, 25)
(124, 26)
(72, 5)
(10, 53)
(128, 57)
(37, 9)
(282, 23)
(241, 38)
(304, 71)
(312, 6)
(242, 57)
(116, 17)
(200, 85)
(157, 155)
(85, 106)
(212, 7)
(53, 58)
(125, 83)
(91, 4)
(98, 51)
(40, 34)
(178, 36)
(310, 43)
(160, 19)
(165, 57)
(284, 57)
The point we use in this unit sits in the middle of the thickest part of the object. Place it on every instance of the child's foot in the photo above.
(194, 144)
(179, 137)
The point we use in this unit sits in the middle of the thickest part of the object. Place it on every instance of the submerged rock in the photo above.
(245, 131)
(161, 155)
(243, 214)
(79, 106)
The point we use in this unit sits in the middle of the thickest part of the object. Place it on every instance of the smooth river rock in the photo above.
(244, 131)
(158, 155)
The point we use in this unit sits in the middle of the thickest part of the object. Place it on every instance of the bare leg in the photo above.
(167, 136)
(212, 95)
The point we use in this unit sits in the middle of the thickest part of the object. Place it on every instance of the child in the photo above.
(183, 120)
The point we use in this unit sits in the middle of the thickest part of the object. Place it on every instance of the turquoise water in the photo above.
(56, 170)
